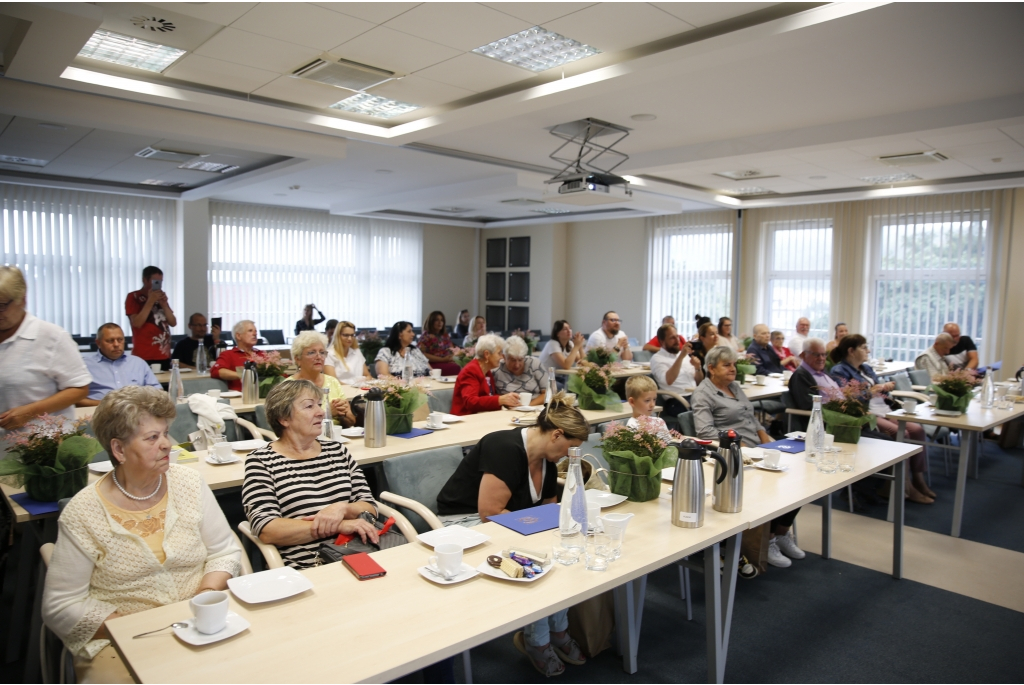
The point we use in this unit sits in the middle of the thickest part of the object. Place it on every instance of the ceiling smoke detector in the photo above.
(153, 24)
(913, 158)
(744, 175)
(343, 73)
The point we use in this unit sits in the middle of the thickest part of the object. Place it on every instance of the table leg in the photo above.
(826, 527)
(976, 454)
(626, 625)
(713, 611)
(901, 430)
(729, 577)
(966, 438)
(900, 473)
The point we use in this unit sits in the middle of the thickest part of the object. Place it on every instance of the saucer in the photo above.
(235, 625)
(764, 467)
(436, 428)
(466, 573)
(234, 458)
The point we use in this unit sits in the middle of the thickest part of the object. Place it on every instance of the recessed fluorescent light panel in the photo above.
(213, 167)
(891, 178)
(750, 190)
(130, 52)
(452, 210)
(166, 184)
(374, 106)
(551, 210)
(536, 49)
(27, 161)
(522, 202)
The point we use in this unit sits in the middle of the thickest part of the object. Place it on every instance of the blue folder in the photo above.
(787, 446)
(414, 433)
(530, 521)
(34, 507)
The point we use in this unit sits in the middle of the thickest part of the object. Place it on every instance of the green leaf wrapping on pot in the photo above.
(844, 427)
(743, 370)
(588, 398)
(267, 383)
(947, 401)
(68, 474)
(638, 477)
(601, 356)
(399, 410)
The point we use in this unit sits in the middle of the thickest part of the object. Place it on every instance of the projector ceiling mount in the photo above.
(586, 176)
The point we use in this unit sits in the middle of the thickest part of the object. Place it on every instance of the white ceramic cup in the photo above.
(211, 611)
(435, 420)
(525, 398)
(435, 373)
(155, 368)
(214, 393)
(175, 453)
(571, 398)
(829, 440)
(759, 379)
(447, 560)
(909, 406)
(222, 451)
(771, 458)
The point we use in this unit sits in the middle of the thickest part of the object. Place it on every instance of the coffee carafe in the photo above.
(375, 425)
(250, 384)
(727, 493)
(688, 483)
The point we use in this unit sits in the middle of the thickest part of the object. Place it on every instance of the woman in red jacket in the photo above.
(474, 388)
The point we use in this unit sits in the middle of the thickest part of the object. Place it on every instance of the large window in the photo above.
(82, 253)
(267, 263)
(690, 263)
(799, 274)
(929, 269)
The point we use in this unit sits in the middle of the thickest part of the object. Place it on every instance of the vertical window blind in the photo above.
(930, 262)
(267, 263)
(82, 253)
(690, 267)
(799, 273)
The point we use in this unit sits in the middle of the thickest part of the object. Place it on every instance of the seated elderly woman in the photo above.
(850, 363)
(436, 345)
(788, 360)
(520, 372)
(511, 470)
(309, 351)
(398, 351)
(299, 491)
(719, 404)
(475, 388)
(345, 361)
(148, 533)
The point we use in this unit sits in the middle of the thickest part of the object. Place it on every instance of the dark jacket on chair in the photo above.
(801, 386)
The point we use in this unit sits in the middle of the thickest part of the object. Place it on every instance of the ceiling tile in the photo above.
(389, 49)
(219, 74)
(948, 169)
(831, 158)
(705, 13)
(895, 146)
(831, 181)
(944, 140)
(24, 137)
(249, 49)
(136, 169)
(302, 24)
(538, 12)
(375, 12)
(614, 26)
(1007, 148)
(4, 120)
(302, 92)
(460, 25)
(79, 166)
(218, 12)
(420, 91)
(987, 166)
(111, 144)
(1015, 132)
(475, 72)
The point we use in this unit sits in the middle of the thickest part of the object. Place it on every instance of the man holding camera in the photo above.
(151, 319)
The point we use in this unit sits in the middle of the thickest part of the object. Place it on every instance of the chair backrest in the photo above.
(642, 356)
(593, 447)
(441, 400)
(261, 417)
(420, 476)
(246, 564)
(686, 424)
(902, 382)
(201, 385)
(920, 377)
(273, 336)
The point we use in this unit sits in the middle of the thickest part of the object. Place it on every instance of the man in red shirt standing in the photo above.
(151, 318)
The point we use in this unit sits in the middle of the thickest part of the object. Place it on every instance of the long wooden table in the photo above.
(641, 369)
(773, 387)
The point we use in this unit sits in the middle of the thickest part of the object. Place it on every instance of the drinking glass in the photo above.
(568, 546)
(847, 459)
(599, 551)
(615, 536)
(827, 462)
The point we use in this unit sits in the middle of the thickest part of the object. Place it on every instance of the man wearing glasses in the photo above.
(186, 349)
(809, 378)
(611, 337)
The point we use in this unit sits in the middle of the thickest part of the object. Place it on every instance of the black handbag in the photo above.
(331, 552)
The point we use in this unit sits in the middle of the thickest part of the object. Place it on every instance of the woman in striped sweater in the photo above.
(299, 491)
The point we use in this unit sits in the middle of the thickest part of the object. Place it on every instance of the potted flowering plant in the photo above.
(269, 370)
(463, 355)
(845, 411)
(528, 337)
(401, 400)
(49, 459)
(592, 385)
(953, 390)
(370, 344)
(599, 356)
(636, 457)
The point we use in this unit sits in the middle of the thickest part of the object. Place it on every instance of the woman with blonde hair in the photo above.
(345, 361)
(309, 351)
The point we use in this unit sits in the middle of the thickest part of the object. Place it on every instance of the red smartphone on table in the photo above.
(363, 566)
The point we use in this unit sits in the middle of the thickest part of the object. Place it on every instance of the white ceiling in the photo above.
(810, 96)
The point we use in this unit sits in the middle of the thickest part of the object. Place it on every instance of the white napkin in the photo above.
(210, 414)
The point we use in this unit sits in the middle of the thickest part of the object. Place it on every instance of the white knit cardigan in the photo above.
(98, 567)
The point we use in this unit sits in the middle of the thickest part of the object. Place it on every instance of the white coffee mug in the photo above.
(435, 419)
(447, 560)
(222, 451)
(829, 440)
(214, 393)
(759, 379)
(525, 398)
(211, 611)
(156, 368)
(771, 458)
(435, 373)
(175, 453)
(909, 406)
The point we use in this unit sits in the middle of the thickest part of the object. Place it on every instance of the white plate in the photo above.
(489, 570)
(669, 474)
(466, 573)
(451, 418)
(269, 586)
(247, 445)
(525, 421)
(446, 379)
(352, 432)
(458, 535)
(231, 393)
(101, 466)
(796, 435)
(761, 465)
(442, 427)
(527, 408)
(604, 499)
(234, 459)
(947, 412)
(189, 634)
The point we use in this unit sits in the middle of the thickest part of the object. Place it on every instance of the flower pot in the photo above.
(847, 434)
(636, 487)
(398, 423)
(267, 383)
(952, 402)
(58, 486)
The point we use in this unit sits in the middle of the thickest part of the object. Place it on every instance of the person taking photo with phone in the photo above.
(151, 318)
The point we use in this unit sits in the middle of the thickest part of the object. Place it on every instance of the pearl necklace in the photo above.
(159, 484)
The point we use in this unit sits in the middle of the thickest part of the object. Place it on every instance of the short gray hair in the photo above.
(944, 338)
(283, 396)
(516, 347)
(718, 354)
(811, 342)
(307, 339)
(236, 330)
(12, 282)
(121, 411)
(488, 343)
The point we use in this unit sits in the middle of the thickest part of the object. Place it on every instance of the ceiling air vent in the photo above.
(166, 155)
(913, 158)
(27, 161)
(341, 73)
(744, 175)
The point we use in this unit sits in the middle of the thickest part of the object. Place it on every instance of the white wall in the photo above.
(194, 233)
(449, 270)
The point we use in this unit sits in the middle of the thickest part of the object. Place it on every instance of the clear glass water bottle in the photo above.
(573, 513)
(202, 361)
(175, 388)
(407, 372)
(552, 386)
(814, 442)
(988, 391)
(326, 427)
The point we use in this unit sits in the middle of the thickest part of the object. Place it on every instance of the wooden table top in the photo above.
(642, 369)
(976, 418)
(773, 387)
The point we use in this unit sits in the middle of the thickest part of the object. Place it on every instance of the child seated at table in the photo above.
(642, 395)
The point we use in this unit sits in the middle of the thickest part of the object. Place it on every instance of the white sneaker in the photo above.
(788, 547)
(775, 557)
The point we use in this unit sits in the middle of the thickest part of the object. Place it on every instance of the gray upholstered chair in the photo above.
(441, 400)
(414, 480)
(186, 423)
(201, 385)
(920, 379)
(686, 424)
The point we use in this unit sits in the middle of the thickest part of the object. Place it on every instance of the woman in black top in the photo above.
(707, 337)
(307, 323)
(512, 470)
